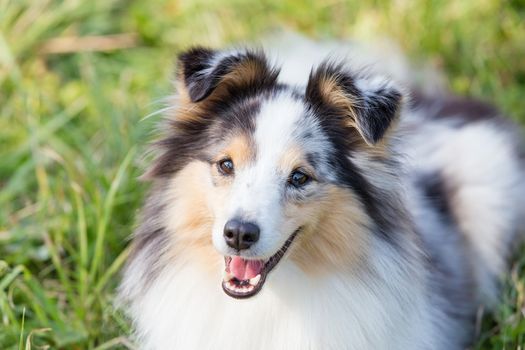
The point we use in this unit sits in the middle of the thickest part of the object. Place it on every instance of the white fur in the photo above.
(186, 309)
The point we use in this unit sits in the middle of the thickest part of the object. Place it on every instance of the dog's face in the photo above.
(269, 166)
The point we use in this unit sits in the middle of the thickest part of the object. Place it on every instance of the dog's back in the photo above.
(467, 160)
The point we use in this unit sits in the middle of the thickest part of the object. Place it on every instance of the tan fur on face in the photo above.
(293, 158)
(335, 234)
(337, 238)
(189, 216)
(191, 200)
(240, 149)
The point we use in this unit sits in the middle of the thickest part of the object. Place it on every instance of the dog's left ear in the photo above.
(369, 105)
(205, 72)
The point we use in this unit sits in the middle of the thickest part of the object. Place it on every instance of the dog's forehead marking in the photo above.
(287, 134)
(276, 127)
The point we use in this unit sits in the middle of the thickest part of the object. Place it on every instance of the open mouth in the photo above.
(244, 278)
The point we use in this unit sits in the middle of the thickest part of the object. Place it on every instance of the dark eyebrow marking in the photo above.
(313, 159)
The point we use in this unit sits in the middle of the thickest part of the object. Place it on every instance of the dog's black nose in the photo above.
(240, 235)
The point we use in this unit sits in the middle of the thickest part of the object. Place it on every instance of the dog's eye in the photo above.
(225, 166)
(298, 178)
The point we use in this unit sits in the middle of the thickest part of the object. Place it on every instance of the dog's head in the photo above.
(258, 168)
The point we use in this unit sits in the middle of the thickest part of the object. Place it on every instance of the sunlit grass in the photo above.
(71, 133)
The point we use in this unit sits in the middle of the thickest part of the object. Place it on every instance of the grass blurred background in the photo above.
(77, 79)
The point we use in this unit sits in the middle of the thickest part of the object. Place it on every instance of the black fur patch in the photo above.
(378, 112)
(437, 193)
(463, 110)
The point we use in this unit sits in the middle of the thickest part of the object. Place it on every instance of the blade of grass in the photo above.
(119, 341)
(38, 303)
(107, 210)
(10, 277)
(35, 332)
(82, 268)
(21, 340)
(108, 274)
(8, 315)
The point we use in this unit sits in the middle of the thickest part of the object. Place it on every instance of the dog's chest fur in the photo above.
(295, 312)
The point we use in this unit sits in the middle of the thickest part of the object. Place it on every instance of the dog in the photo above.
(346, 211)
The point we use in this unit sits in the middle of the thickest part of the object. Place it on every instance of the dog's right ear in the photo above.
(204, 72)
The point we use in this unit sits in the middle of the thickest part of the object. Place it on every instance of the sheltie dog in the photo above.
(320, 208)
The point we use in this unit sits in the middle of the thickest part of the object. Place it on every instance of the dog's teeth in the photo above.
(255, 280)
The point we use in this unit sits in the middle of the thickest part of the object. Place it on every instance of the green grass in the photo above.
(72, 131)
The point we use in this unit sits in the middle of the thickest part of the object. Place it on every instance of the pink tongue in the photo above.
(245, 269)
